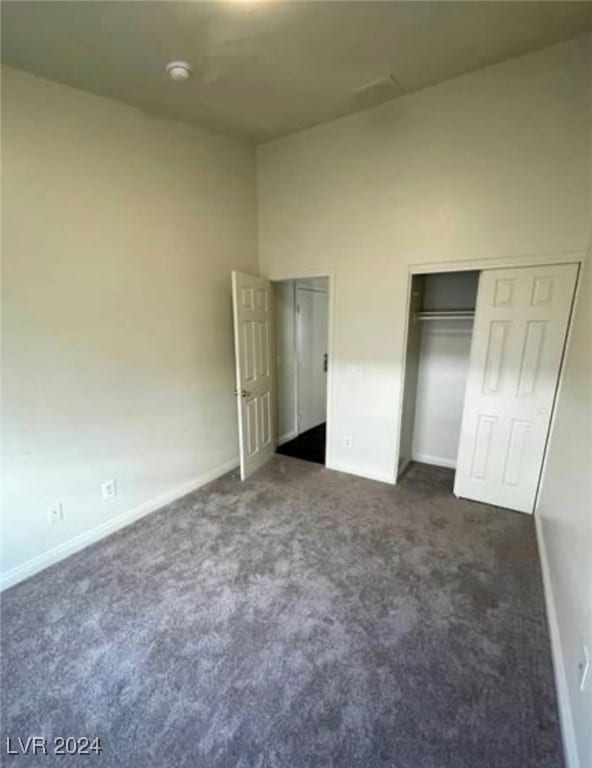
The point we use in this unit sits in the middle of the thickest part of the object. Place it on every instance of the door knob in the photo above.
(242, 393)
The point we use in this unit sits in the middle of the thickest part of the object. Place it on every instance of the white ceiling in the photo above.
(266, 68)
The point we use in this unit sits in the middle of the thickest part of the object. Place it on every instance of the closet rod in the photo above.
(446, 315)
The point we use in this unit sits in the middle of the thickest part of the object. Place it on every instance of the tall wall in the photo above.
(491, 165)
(564, 517)
(119, 232)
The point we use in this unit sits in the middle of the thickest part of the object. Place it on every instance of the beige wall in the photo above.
(119, 234)
(565, 517)
(492, 165)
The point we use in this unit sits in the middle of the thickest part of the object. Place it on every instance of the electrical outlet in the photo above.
(55, 513)
(584, 669)
(109, 489)
(347, 441)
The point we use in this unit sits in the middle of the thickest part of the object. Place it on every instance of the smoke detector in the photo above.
(178, 71)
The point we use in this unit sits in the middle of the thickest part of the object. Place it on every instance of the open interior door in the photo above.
(519, 334)
(252, 303)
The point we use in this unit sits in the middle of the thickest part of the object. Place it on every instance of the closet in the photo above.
(482, 365)
(438, 351)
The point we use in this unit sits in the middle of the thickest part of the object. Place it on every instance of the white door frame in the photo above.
(280, 275)
(573, 257)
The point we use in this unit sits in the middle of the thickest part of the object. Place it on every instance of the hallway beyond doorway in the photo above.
(309, 446)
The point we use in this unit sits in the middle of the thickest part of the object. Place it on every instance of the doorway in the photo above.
(442, 309)
(302, 359)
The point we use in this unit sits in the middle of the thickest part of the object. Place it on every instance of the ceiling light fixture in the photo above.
(178, 71)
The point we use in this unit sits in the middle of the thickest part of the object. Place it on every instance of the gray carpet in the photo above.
(305, 618)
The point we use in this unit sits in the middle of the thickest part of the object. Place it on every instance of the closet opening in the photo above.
(483, 361)
(441, 311)
(302, 335)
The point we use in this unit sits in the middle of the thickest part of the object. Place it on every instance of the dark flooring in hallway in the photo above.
(309, 446)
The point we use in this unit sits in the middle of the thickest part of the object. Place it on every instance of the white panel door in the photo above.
(519, 333)
(253, 345)
(312, 334)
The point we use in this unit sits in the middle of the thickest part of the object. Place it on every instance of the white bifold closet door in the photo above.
(519, 333)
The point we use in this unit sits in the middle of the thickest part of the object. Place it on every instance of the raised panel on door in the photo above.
(249, 340)
(481, 457)
(532, 352)
(253, 336)
(519, 334)
(515, 453)
(252, 441)
(265, 436)
(495, 359)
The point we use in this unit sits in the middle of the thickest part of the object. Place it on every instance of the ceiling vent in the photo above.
(377, 91)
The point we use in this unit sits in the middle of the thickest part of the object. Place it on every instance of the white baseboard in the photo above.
(36, 564)
(568, 735)
(437, 461)
(369, 475)
(287, 437)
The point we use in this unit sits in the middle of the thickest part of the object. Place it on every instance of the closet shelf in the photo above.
(446, 314)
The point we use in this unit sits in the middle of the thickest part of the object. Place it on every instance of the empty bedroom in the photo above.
(296, 429)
